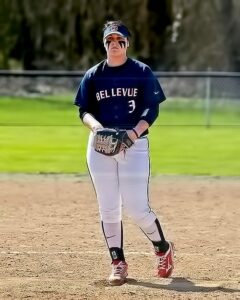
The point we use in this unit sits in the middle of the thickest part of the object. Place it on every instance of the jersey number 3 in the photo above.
(132, 106)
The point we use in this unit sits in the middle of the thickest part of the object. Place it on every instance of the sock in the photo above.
(113, 233)
(161, 246)
(116, 254)
(155, 234)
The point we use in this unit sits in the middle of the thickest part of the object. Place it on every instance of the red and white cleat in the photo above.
(165, 262)
(119, 273)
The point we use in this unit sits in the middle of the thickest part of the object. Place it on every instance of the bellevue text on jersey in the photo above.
(117, 92)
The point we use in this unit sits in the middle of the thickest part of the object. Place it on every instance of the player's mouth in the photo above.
(114, 48)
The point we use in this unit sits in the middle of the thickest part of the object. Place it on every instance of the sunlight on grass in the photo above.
(46, 135)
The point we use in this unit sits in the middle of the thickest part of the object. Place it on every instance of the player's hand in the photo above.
(132, 135)
(110, 142)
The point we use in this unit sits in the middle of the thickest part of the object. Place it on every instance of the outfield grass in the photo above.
(46, 136)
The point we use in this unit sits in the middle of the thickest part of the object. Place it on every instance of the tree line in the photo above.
(166, 34)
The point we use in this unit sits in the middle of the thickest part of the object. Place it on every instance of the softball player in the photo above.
(123, 93)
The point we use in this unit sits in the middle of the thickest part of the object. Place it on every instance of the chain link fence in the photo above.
(209, 98)
(199, 98)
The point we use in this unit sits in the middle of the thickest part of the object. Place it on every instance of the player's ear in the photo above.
(127, 43)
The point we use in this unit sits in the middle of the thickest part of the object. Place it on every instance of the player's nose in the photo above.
(114, 45)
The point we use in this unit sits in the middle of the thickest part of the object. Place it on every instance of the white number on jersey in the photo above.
(132, 106)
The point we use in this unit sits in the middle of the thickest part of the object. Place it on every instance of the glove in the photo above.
(110, 142)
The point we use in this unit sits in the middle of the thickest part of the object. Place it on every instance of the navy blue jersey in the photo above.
(119, 96)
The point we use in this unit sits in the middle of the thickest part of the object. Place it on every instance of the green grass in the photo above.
(195, 150)
(45, 136)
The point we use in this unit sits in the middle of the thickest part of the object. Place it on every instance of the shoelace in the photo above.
(119, 268)
(162, 262)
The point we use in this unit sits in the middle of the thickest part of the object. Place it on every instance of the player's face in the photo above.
(116, 45)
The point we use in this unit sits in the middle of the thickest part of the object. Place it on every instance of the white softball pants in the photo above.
(122, 181)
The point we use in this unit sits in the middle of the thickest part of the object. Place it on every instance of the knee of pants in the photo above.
(143, 219)
(110, 216)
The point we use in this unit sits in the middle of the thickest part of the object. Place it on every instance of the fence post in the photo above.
(207, 102)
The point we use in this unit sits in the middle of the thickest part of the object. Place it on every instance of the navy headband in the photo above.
(121, 30)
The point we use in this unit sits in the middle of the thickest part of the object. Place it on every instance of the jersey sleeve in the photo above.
(83, 94)
(152, 90)
(153, 95)
(84, 98)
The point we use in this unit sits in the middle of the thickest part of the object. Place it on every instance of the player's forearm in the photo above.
(148, 116)
(141, 126)
(91, 122)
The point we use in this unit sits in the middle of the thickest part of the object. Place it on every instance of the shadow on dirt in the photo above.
(181, 284)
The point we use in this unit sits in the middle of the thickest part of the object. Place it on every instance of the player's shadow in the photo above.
(181, 284)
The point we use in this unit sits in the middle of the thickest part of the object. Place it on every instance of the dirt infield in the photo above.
(52, 246)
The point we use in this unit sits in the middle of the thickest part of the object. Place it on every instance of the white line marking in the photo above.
(106, 253)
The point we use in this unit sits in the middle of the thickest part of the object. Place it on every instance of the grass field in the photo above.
(44, 135)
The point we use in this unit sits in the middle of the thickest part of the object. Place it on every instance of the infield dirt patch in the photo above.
(52, 245)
